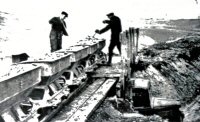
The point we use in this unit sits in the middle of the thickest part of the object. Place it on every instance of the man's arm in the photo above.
(65, 32)
(64, 28)
(106, 22)
(104, 29)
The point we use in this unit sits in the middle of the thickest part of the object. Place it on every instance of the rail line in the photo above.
(81, 107)
(48, 83)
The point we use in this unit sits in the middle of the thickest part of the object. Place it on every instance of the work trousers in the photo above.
(55, 40)
(113, 42)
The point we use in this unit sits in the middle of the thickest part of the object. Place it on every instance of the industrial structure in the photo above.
(74, 81)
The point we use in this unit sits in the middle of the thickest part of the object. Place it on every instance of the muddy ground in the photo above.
(173, 68)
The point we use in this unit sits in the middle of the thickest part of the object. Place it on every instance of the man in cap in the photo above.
(58, 28)
(114, 24)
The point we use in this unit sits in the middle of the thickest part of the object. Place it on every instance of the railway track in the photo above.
(50, 82)
(89, 93)
(81, 107)
(85, 98)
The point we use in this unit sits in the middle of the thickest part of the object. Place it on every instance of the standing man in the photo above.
(58, 28)
(114, 23)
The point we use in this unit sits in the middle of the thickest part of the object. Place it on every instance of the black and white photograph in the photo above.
(99, 60)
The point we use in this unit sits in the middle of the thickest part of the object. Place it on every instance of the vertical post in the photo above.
(122, 61)
(128, 45)
(127, 63)
(131, 45)
(133, 32)
(137, 37)
(124, 56)
(132, 60)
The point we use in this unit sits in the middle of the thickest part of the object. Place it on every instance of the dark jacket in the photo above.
(58, 25)
(114, 24)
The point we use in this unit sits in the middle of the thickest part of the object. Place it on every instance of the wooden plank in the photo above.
(92, 103)
(64, 102)
(71, 108)
(124, 56)
(137, 38)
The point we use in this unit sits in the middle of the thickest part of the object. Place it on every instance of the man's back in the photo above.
(115, 24)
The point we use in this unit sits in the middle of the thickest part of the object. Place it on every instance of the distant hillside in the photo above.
(185, 24)
(162, 30)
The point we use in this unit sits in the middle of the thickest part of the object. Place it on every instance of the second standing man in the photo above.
(114, 23)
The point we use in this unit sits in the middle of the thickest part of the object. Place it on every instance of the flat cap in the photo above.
(64, 13)
(110, 14)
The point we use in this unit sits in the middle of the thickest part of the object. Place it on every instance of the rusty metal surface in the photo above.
(19, 77)
(84, 103)
(72, 107)
(51, 63)
(79, 52)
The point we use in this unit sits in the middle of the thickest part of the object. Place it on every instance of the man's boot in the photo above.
(109, 60)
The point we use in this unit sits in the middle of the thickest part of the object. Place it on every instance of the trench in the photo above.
(173, 69)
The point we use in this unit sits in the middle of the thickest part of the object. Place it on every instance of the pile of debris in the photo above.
(173, 69)
(178, 62)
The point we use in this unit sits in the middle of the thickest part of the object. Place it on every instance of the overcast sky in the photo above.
(86, 13)
(144, 8)
(28, 23)
(91, 12)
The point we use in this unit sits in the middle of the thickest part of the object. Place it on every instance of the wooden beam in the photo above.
(83, 113)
